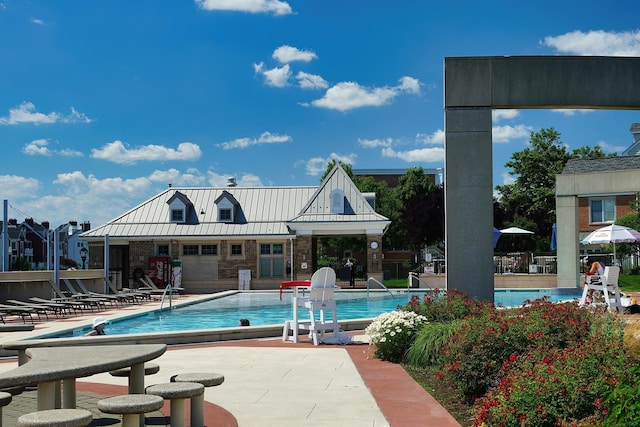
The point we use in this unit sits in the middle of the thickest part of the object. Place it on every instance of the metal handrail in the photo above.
(414, 275)
(370, 279)
(169, 289)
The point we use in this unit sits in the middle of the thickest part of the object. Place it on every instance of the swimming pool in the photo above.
(266, 308)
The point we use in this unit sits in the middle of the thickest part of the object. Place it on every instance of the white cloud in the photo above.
(265, 138)
(40, 147)
(276, 77)
(436, 138)
(346, 96)
(508, 179)
(275, 7)
(311, 81)
(375, 143)
(609, 148)
(503, 134)
(18, 187)
(318, 165)
(428, 155)
(176, 178)
(625, 43)
(244, 180)
(37, 21)
(116, 152)
(285, 54)
(497, 115)
(26, 113)
(572, 112)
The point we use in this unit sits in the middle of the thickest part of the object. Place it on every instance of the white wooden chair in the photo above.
(607, 284)
(321, 300)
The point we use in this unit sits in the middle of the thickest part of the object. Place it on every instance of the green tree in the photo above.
(531, 197)
(631, 220)
(421, 208)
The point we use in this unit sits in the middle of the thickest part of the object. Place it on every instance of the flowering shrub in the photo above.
(445, 306)
(480, 346)
(393, 332)
(551, 386)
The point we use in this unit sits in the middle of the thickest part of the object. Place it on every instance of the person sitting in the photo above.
(98, 326)
(593, 276)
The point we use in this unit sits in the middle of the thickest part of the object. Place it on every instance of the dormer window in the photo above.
(228, 207)
(177, 215)
(179, 207)
(225, 214)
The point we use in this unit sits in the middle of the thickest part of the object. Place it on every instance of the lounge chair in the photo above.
(22, 312)
(131, 295)
(91, 301)
(113, 299)
(64, 303)
(606, 283)
(46, 308)
(148, 283)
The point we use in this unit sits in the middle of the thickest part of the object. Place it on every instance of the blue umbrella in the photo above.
(554, 237)
(496, 235)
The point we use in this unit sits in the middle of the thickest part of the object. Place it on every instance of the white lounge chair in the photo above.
(606, 283)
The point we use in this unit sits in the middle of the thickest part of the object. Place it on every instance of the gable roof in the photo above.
(318, 209)
(268, 212)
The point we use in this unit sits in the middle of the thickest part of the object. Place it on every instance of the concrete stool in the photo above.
(207, 379)
(131, 407)
(56, 418)
(5, 399)
(177, 393)
(149, 369)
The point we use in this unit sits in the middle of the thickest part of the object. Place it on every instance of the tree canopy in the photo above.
(530, 198)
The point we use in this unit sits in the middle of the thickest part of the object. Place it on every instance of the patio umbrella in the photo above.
(515, 230)
(496, 236)
(554, 237)
(612, 234)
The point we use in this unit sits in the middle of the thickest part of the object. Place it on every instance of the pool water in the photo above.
(266, 308)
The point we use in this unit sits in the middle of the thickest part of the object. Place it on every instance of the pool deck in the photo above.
(268, 382)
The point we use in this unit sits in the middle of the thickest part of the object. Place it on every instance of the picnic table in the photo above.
(47, 366)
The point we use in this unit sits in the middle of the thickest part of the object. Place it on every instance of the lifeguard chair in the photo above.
(321, 300)
(606, 283)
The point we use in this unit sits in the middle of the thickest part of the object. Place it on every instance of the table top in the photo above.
(57, 363)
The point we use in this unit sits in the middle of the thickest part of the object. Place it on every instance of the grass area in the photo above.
(629, 282)
(399, 283)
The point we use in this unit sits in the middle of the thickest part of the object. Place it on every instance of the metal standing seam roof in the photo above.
(266, 209)
(263, 211)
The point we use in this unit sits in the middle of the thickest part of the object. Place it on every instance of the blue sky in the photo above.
(103, 104)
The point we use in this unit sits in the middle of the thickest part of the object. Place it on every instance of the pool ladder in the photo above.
(373, 279)
(169, 290)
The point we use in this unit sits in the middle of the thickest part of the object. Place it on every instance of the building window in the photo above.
(209, 250)
(225, 215)
(190, 250)
(163, 250)
(177, 215)
(271, 260)
(236, 250)
(603, 210)
(337, 201)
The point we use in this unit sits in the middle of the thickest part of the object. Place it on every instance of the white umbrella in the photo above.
(516, 230)
(612, 234)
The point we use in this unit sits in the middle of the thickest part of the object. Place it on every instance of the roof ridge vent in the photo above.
(231, 182)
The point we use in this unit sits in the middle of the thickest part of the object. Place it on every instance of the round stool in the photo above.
(131, 407)
(56, 418)
(207, 379)
(149, 369)
(177, 393)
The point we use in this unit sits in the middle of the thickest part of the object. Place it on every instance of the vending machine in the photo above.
(160, 270)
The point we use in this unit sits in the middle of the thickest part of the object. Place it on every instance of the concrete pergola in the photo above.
(473, 87)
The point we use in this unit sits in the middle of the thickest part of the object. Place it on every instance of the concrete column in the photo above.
(568, 244)
(468, 201)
